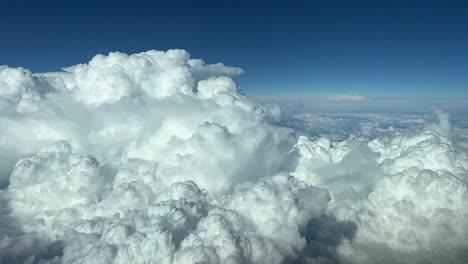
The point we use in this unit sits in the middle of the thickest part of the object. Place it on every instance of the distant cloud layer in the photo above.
(158, 158)
(347, 97)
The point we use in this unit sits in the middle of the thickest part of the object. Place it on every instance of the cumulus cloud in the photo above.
(406, 193)
(159, 158)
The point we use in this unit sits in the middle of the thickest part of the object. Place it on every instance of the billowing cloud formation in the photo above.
(404, 194)
(158, 158)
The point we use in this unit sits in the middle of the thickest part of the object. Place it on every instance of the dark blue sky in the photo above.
(287, 47)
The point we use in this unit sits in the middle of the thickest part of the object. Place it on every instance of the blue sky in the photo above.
(286, 48)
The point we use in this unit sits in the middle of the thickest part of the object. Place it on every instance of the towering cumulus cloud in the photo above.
(158, 158)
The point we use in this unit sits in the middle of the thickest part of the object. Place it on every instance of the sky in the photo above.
(286, 48)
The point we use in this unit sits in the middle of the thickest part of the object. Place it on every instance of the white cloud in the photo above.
(158, 158)
(402, 200)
